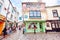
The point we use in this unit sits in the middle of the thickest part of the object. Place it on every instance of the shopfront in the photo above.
(2, 23)
(39, 26)
(53, 25)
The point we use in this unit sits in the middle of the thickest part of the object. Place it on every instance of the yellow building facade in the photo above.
(46, 19)
(34, 14)
(53, 21)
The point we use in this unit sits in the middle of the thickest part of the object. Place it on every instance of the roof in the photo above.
(33, 2)
(52, 6)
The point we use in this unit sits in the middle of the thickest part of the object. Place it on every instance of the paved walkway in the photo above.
(40, 36)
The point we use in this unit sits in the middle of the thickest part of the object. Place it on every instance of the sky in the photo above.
(18, 5)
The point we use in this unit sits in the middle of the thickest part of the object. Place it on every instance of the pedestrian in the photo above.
(19, 27)
(4, 32)
(35, 29)
(8, 30)
(24, 30)
(14, 28)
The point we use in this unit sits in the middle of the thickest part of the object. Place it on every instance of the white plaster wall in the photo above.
(3, 11)
(43, 16)
(50, 14)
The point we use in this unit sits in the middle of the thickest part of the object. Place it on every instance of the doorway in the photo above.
(40, 26)
(55, 26)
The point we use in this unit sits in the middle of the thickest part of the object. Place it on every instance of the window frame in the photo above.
(35, 11)
(55, 12)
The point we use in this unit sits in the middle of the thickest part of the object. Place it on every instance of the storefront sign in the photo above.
(2, 17)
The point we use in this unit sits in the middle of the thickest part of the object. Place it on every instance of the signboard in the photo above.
(20, 18)
(2, 17)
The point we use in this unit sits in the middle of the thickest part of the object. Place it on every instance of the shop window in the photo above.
(53, 25)
(59, 25)
(55, 13)
(56, 25)
(32, 26)
(48, 25)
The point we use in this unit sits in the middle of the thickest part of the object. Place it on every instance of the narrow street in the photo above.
(39, 19)
(39, 36)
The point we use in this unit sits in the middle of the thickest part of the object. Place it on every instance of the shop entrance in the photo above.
(40, 26)
(55, 26)
(37, 25)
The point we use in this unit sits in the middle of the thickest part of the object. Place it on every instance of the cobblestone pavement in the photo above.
(39, 36)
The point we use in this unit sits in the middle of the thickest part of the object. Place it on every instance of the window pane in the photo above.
(53, 25)
(33, 5)
(29, 4)
(34, 13)
(48, 25)
(38, 13)
(31, 13)
(56, 25)
(55, 13)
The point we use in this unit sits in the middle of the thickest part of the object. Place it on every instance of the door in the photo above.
(40, 27)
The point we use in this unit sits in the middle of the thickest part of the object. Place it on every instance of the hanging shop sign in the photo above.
(2, 17)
